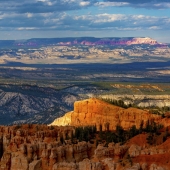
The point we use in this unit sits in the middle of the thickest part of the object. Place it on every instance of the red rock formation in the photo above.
(100, 113)
(38, 147)
(140, 40)
(41, 147)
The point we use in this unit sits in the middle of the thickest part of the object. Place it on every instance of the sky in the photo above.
(24, 19)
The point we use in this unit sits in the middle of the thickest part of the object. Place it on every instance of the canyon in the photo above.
(52, 147)
(36, 87)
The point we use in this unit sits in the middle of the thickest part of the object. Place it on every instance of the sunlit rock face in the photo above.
(104, 115)
(145, 40)
(63, 121)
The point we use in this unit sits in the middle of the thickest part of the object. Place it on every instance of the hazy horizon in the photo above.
(77, 38)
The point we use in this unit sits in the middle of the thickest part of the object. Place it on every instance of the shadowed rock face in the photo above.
(99, 113)
(33, 104)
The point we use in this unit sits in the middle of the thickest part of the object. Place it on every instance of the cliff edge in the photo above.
(106, 116)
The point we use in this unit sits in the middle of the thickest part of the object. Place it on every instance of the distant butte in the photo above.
(113, 41)
(88, 41)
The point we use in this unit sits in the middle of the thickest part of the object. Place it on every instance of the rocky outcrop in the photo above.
(41, 147)
(86, 164)
(144, 40)
(90, 165)
(36, 147)
(106, 116)
(63, 121)
(113, 150)
(155, 167)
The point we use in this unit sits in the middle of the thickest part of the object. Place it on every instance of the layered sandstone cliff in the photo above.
(96, 112)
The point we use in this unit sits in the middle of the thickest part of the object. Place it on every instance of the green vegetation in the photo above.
(153, 110)
(116, 102)
(89, 133)
(85, 133)
(132, 87)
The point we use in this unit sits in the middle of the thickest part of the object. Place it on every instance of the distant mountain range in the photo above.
(89, 41)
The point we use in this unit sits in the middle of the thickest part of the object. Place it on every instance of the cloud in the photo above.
(57, 15)
(84, 3)
(26, 28)
(121, 22)
(111, 4)
(155, 28)
(48, 6)
(43, 6)
(29, 15)
(153, 4)
(63, 21)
